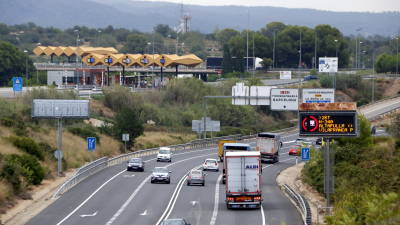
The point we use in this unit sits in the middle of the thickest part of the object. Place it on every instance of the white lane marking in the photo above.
(144, 213)
(129, 175)
(216, 202)
(112, 178)
(89, 215)
(127, 202)
(172, 201)
(262, 215)
(90, 196)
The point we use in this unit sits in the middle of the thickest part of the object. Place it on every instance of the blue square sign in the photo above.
(91, 144)
(17, 83)
(305, 154)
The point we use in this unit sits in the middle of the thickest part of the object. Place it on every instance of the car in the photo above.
(160, 174)
(211, 164)
(164, 154)
(135, 164)
(304, 141)
(311, 77)
(295, 150)
(196, 176)
(178, 221)
(318, 141)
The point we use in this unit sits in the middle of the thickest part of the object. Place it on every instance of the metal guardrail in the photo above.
(301, 204)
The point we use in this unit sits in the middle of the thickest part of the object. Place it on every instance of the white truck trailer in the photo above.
(243, 179)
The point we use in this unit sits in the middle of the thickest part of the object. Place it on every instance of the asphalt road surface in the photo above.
(115, 196)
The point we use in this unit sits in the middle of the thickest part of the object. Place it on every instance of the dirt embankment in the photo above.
(292, 177)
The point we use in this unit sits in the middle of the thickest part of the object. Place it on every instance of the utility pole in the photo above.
(273, 52)
(315, 51)
(26, 64)
(300, 51)
(373, 76)
(254, 59)
(247, 41)
(397, 56)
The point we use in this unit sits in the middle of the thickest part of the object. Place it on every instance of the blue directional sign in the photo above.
(91, 144)
(305, 154)
(17, 83)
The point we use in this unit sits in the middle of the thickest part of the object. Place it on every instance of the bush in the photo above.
(27, 145)
(25, 165)
(84, 131)
(128, 121)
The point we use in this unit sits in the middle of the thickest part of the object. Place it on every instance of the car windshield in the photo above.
(195, 173)
(160, 170)
(174, 222)
(135, 160)
(211, 161)
(165, 151)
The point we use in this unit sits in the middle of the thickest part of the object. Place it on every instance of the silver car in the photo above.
(175, 222)
(160, 174)
(196, 176)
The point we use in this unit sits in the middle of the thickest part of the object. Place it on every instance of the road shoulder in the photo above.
(292, 176)
(24, 210)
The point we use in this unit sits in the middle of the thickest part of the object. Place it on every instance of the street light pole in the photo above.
(273, 53)
(300, 52)
(397, 56)
(77, 42)
(315, 51)
(336, 43)
(26, 64)
(359, 54)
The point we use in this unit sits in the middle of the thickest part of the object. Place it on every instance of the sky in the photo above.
(330, 5)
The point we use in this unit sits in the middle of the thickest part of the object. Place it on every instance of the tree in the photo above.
(225, 35)
(266, 63)
(272, 27)
(227, 61)
(135, 43)
(12, 62)
(129, 121)
(164, 30)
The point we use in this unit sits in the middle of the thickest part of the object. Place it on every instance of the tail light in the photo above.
(257, 198)
(215, 163)
(230, 199)
(189, 177)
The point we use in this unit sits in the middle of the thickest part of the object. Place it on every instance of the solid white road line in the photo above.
(172, 201)
(262, 215)
(112, 178)
(127, 202)
(216, 202)
(88, 198)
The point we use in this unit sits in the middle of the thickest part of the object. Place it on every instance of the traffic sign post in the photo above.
(305, 154)
(91, 144)
(17, 84)
(125, 138)
(328, 120)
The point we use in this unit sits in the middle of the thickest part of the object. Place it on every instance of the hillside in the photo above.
(143, 16)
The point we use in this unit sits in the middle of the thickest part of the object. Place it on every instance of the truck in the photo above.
(221, 148)
(232, 147)
(269, 144)
(243, 179)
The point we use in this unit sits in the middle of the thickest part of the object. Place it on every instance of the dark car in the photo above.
(311, 77)
(135, 164)
(318, 141)
(175, 222)
(196, 177)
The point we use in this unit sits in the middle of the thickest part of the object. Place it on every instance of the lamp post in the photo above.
(77, 42)
(397, 56)
(98, 35)
(300, 52)
(359, 54)
(336, 43)
(26, 64)
(273, 52)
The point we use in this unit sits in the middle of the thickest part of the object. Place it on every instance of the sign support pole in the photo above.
(328, 173)
(125, 146)
(59, 146)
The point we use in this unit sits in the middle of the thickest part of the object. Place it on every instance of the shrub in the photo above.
(27, 145)
(27, 165)
(84, 131)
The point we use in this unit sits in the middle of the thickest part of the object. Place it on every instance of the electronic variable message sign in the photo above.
(329, 123)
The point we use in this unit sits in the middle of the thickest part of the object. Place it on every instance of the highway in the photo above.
(115, 196)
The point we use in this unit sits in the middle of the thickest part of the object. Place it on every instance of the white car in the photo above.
(211, 164)
(164, 154)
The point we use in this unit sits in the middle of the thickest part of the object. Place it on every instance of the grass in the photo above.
(156, 139)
